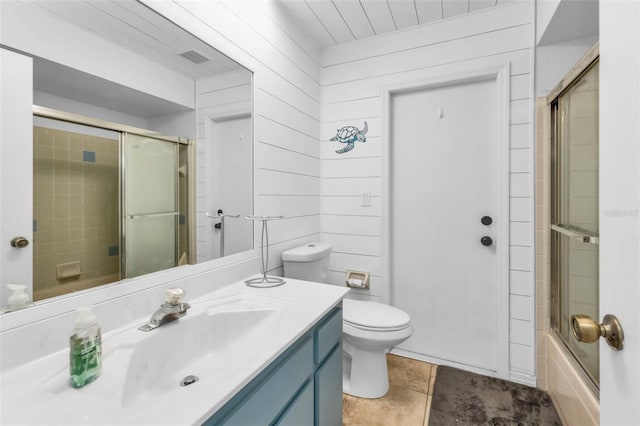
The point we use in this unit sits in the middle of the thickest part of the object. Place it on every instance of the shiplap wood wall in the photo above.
(286, 66)
(353, 76)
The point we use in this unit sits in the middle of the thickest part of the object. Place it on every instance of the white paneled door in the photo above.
(620, 208)
(16, 170)
(229, 185)
(447, 223)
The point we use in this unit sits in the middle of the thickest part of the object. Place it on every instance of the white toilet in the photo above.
(369, 329)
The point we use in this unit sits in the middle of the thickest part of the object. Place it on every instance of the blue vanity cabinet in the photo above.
(302, 387)
(328, 388)
(301, 410)
(328, 375)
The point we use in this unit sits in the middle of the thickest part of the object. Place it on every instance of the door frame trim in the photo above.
(501, 74)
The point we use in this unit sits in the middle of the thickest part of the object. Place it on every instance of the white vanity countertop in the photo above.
(38, 393)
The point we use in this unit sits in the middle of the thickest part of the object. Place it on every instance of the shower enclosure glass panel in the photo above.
(151, 205)
(574, 214)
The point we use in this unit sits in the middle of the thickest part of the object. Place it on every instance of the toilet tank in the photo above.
(309, 262)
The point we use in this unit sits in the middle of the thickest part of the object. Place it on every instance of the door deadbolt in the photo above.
(19, 242)
(486, 241)
(586, 330)
(486, 220)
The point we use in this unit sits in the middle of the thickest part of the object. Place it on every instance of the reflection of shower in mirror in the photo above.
(92, 72)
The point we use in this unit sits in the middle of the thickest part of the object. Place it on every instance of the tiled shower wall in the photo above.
(75, 210)
(353, 77)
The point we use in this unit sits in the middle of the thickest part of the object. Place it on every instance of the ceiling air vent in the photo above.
(194, 57)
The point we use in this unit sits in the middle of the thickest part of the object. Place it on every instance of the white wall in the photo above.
(555, 60)
(564, 20)
(353, 75)
(88, 110)
(182, 124)
(545, 9)
(565, 31)
(286, 66)
(55, 40)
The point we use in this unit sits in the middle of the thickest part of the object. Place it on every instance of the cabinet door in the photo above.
(267, 399)
(329, 390)
(300, 412)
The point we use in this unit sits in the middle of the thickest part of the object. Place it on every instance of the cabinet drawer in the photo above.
(276, 390)
(328, 334)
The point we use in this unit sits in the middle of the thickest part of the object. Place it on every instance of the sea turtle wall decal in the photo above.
(350, 135)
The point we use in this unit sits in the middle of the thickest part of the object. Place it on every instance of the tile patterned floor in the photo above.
(407, 403)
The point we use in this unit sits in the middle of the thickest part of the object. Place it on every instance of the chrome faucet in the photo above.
(170, 310)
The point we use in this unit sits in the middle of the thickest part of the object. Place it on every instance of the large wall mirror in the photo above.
(139, 154)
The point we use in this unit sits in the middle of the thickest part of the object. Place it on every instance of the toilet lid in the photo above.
(373, 314)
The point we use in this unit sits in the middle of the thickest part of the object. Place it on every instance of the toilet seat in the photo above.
(373, 316)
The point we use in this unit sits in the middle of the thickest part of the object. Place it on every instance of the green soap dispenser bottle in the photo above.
(85, 349)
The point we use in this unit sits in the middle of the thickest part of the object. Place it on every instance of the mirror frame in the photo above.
(47, 308)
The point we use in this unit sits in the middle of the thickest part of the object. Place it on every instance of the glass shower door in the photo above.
(150, 205)
(574, 214)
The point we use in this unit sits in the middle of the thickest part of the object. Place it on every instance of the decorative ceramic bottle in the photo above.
(85, 349)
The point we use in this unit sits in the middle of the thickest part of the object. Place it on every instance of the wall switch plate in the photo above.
(366, 199)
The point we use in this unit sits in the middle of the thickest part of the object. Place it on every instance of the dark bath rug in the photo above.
(463, 398)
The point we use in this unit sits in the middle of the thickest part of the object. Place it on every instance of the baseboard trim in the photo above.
(523, 378)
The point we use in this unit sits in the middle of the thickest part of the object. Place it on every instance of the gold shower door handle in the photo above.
(586, 330)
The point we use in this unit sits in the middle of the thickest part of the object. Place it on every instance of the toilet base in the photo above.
(364, 364)
(366, 378)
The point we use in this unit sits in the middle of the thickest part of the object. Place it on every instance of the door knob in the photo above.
(19, 242)
(586, 330)
(486, 241)
(486, 220)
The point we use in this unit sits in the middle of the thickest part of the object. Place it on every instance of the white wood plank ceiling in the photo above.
(332, 22)
(137, 28)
